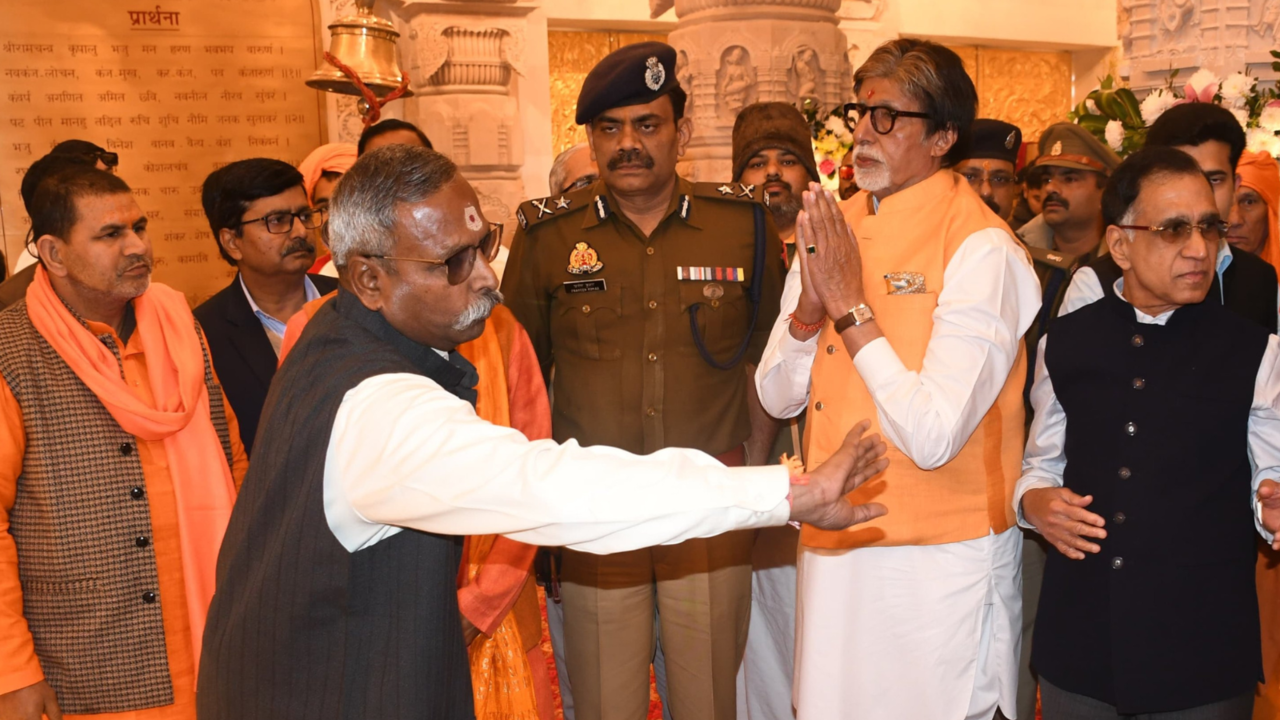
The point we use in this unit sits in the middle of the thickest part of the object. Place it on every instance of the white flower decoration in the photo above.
(1154, 105)
(1242, 117)
(1204, 80)
(1269, 120)
(1260, 140)
(1235, 87)
(1115, 135)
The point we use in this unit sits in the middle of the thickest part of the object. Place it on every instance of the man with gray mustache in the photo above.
(912, 300)
(265, 227)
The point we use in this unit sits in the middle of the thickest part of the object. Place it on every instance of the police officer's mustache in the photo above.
(1054, 197)
(631, 157)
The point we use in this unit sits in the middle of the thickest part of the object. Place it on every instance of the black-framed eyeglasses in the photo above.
(281, 222)
(463, 261)
(883, 118)
(1179, 231)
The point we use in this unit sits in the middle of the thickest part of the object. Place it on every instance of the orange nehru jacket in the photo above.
(916, 230)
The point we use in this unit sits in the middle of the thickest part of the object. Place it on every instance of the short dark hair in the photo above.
(53, 203)
(1195, 124)
(679, 98)
(48, 166)
(1127, 179)
(229, 190)
(935, 76)
(390, 125)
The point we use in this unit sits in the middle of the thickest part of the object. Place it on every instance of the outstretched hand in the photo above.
(821, 502)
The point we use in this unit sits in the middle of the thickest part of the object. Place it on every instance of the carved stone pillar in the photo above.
(731, 53)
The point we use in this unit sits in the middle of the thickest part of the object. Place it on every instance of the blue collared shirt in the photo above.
(275, 327)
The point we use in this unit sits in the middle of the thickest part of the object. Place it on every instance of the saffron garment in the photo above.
(944, 388)
(496, 590)
(19, 666)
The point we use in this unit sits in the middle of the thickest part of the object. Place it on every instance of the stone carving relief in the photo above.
(684, 76)
(475, 58)
(1029, 89)
(1268, 20)
(805, 76)
(476, 48)
(869, 10)
(735, 82)
(1173, 13)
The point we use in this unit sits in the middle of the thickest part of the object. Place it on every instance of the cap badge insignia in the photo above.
(542, 207)
(524, 222)
(1057, 148)
(746, 190)
(654, 74)
(1008, 142)
(905, 283)
(725, 190)
(563, 203)
(473, 218)
(583, 260)
(713, 291)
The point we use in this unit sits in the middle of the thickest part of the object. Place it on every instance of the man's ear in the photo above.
(49, 248)
(684, 133)
(230, 242)
(366, 279)
(942, 142)
(1119, 244)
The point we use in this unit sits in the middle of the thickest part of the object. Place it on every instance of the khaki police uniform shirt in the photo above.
(609, 308)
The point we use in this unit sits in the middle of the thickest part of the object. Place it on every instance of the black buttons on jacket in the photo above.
(1136, 341)
(137, 492)
(1131, 428)
(148, 597)
(1119, 518)
(1139, 383)
(126, 448)
(142, 541)
(1117, 563)
(1125, 473)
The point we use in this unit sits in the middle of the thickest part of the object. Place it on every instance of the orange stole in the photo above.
(916, 230)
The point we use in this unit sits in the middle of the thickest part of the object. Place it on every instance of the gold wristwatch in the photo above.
(858, 315)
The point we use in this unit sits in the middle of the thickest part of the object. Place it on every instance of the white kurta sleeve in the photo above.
(1084, 289)
(1264, 427)
(782, 377)
(1046, 457)
(989, 297)
(405, 453)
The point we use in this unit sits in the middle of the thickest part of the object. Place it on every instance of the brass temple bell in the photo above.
(366, 45)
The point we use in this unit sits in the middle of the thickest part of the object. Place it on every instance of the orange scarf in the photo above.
(1259, 172)
(202, 483)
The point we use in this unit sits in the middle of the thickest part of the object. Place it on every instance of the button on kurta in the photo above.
(1118, 518)
(1131, 428)
(142, 541)
(136, 493)
(817, 405)
(1117, 563)
(148, 597)
(1139, 383)
(1136, 341)
(126, 448)
(831, 349)
(1125, 473)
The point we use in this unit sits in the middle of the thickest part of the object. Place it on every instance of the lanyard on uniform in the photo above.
(753, 294)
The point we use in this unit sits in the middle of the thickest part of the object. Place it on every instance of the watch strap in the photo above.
(852, 318)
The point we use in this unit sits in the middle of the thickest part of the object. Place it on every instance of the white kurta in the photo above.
(917, 631)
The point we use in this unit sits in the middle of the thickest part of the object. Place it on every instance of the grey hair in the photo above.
(556, 178)
(362, 211)
(934, 76)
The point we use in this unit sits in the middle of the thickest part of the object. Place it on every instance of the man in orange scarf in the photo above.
(121, 460)
(321, 170)
(497, 596)
(1254, 228)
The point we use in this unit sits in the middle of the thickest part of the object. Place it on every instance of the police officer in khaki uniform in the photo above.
(651, 296)
(1067, 235)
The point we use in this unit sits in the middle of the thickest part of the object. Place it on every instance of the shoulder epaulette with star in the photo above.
(731, 191)
(532, 212)
(1052, 258)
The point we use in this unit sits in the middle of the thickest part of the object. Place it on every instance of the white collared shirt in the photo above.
(990, 295)
(274, 327)
(406, 453)
(1046, 458)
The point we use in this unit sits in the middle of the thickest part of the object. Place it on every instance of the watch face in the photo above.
(862, 314)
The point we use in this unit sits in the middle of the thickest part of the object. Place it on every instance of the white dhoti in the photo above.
(915, 632)
(764, 678)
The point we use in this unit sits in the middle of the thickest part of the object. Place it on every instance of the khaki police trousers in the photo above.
(702, 589)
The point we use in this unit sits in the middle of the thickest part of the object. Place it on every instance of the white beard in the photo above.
(874, 178)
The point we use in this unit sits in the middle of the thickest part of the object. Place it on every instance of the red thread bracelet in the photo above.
(806, 327)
